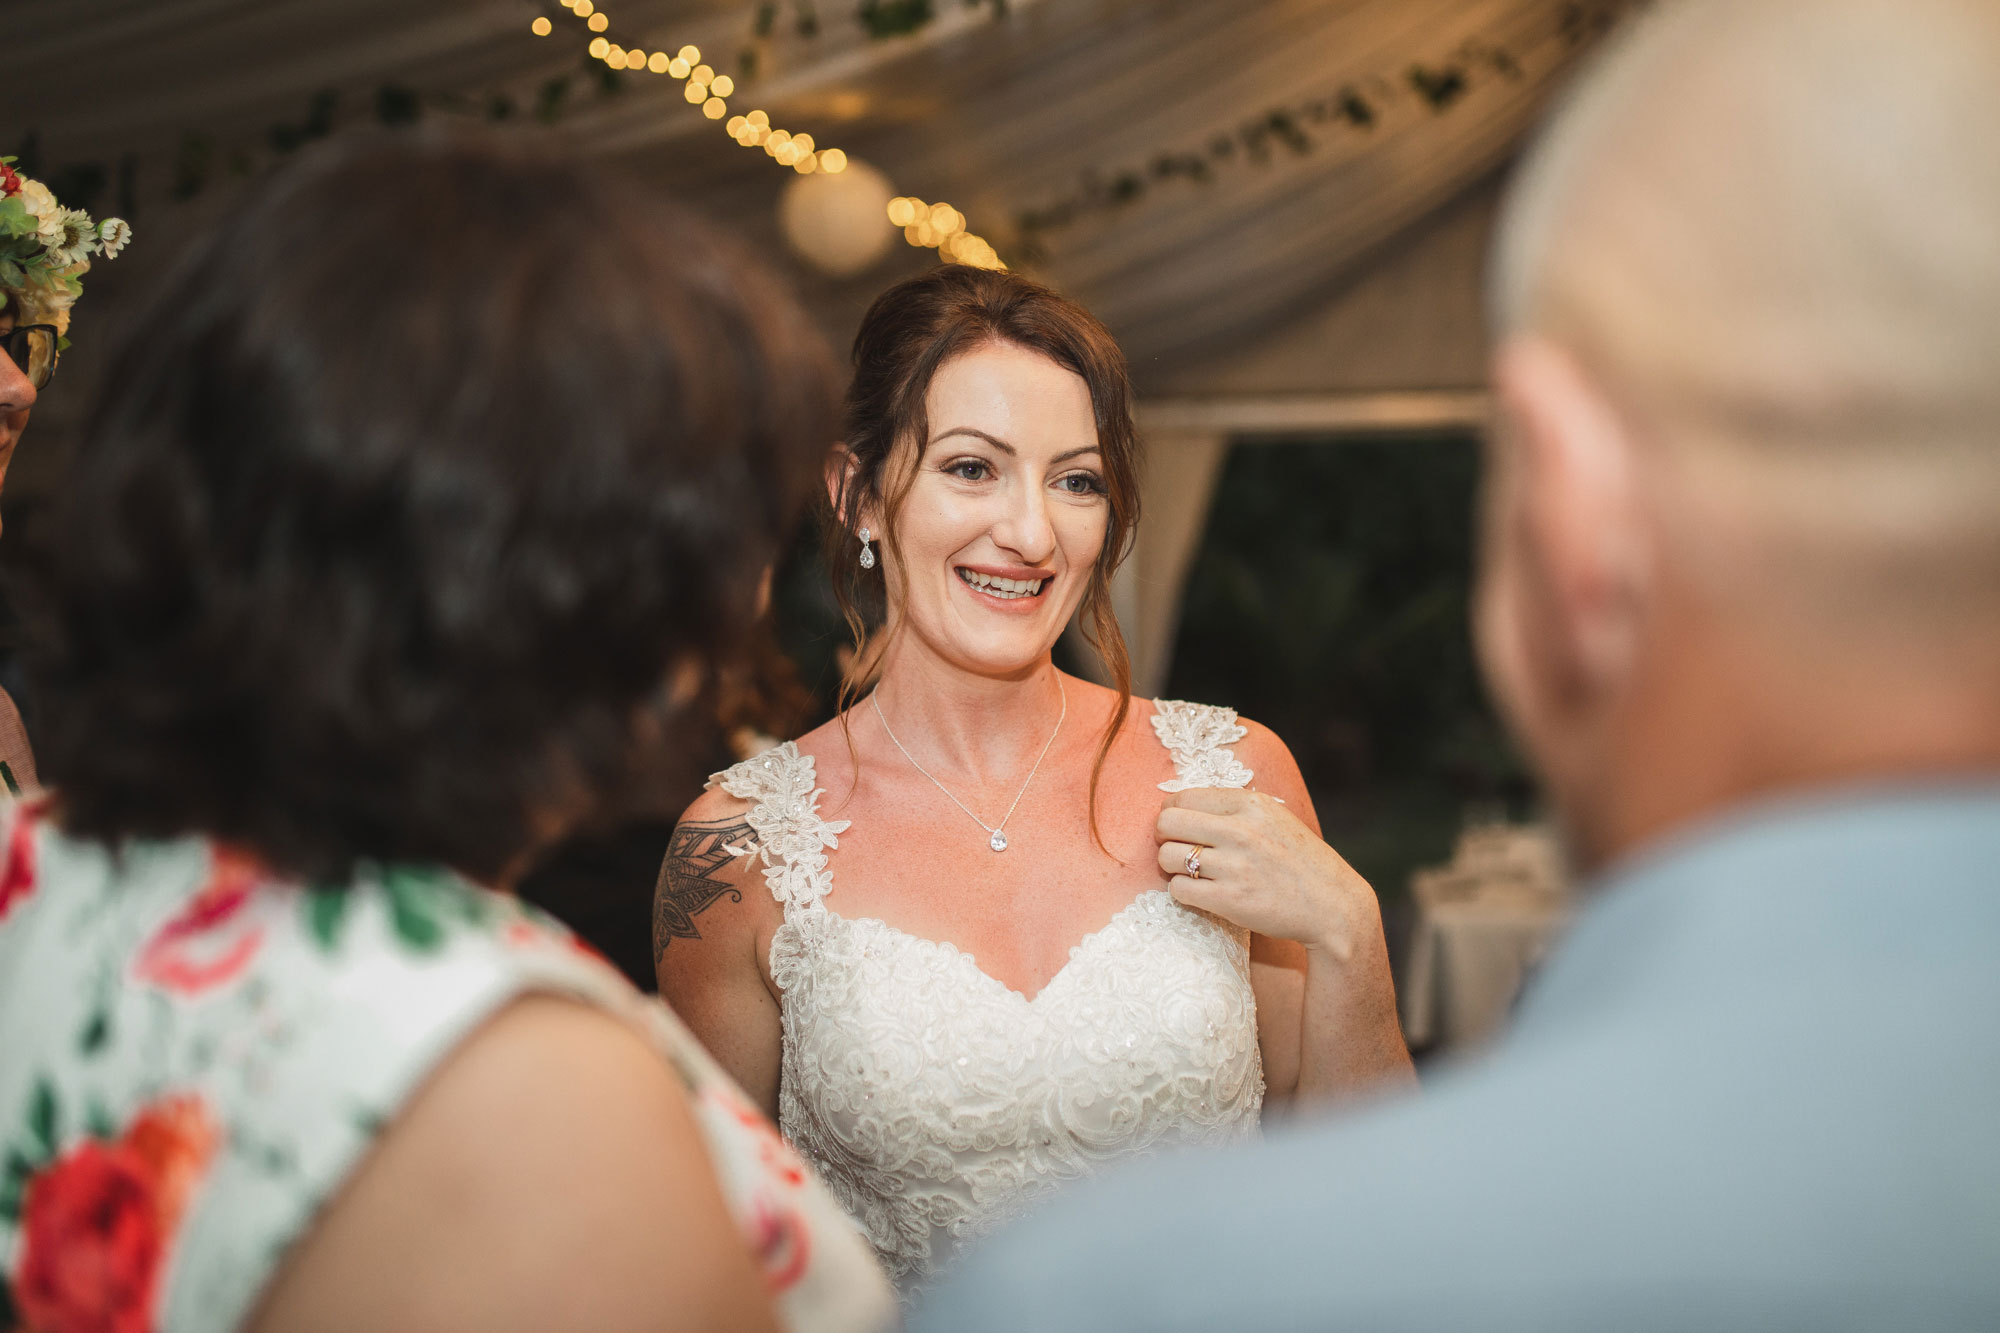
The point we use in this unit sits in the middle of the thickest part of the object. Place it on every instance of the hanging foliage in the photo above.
(198, 159)
(1353, 109)
(880, 19)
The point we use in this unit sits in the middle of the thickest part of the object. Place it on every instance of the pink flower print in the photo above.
(212, 939)
(17, 875)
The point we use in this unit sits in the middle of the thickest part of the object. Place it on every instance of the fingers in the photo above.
(1174, 856)
(1195, 826)
(1194, 893)
(1211, 800)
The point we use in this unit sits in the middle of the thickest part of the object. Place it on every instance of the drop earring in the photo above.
(867, 552)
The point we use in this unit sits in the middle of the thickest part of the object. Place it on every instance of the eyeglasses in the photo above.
(33, 348)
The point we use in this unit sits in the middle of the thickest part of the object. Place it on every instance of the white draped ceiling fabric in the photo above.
(999, 109)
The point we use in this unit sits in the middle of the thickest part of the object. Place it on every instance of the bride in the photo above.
(936, 937)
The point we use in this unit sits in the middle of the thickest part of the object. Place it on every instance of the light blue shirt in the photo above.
(1758, 1088)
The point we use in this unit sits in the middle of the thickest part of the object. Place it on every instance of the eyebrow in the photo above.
(1005, 447)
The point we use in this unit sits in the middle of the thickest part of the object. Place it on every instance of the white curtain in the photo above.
(999, 116)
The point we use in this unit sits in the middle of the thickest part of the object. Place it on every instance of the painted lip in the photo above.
(1016, 606)
(1024, 573)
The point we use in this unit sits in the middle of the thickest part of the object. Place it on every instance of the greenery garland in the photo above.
(880, 19)
(200, 159)
(1300, 127)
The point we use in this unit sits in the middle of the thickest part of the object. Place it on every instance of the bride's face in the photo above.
(1002, 527)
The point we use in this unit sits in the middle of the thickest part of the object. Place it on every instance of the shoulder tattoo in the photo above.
(689, 878)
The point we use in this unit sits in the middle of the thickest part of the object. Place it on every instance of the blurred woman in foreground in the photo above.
(422, 513)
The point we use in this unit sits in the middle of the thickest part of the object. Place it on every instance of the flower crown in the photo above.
(45, 249)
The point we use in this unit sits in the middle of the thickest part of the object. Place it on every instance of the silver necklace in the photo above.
(998, 842)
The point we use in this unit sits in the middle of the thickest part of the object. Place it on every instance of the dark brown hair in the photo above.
(908, 334)
(415, 488)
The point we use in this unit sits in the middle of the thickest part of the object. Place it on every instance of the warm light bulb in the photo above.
(759, 118)
(677, 67)
(598, 46)
(804, 141)
(615, 57)
(584, 8)
(695, 92)
(715, 108)
(691, 54)
(832, 161)
(806, 165)
(911, 234)
(734, 129)
(902, 212)
(635, 58)
(541, 27)
(722, 85)
(657, 62)
(598, 23)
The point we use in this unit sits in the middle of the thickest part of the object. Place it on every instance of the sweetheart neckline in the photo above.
(946, 946)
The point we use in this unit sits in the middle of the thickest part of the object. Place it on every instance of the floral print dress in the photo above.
(194, 1055)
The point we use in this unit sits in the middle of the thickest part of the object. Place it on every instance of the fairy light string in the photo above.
(936, 226)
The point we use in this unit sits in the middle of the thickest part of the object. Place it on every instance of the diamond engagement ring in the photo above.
(1194, 862)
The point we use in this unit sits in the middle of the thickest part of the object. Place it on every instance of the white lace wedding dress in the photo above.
(938, 1103)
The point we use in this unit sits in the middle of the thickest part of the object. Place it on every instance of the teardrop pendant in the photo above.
(998, 842)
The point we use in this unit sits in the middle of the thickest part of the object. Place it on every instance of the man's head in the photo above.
(1743, 514)
(17, 394)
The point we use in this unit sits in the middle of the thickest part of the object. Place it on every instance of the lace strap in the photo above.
(1197, 736)
(791, 838)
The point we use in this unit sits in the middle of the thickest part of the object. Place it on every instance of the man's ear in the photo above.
(1580, 514)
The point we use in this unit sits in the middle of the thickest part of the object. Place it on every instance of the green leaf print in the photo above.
(13, 1183)
(44, 1121)
(413, 912)
(424, 901)
(95, 1033)
(326, 912)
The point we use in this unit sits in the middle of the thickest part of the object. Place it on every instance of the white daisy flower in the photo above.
(76, 241)
(113, 234)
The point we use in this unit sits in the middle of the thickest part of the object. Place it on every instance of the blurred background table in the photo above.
(1482, 924)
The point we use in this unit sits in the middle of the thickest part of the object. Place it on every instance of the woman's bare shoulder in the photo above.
(709, 899)
(553, 1130)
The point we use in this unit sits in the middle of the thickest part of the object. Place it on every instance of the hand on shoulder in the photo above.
(1259, 860)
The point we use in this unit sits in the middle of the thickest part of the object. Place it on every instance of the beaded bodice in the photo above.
(938, 1103)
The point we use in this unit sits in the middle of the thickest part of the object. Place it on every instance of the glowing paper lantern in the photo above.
(838, 222)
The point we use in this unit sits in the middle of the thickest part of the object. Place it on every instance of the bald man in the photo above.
(1740, 600)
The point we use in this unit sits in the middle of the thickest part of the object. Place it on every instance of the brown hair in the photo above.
(911, 331)
(389, 570)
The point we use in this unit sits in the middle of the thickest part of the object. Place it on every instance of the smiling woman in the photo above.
(980, 365)
(1079, 1012)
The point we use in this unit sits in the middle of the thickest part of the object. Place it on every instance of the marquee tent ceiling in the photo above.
(1050, 100)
